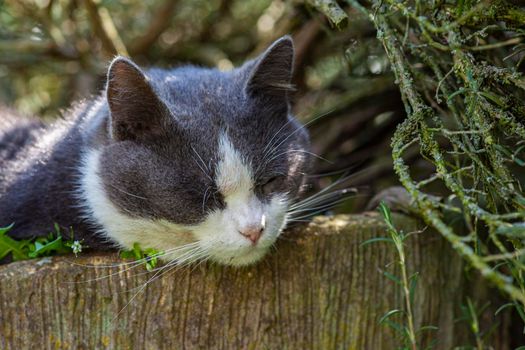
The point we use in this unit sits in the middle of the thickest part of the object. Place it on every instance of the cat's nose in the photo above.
(253, 233)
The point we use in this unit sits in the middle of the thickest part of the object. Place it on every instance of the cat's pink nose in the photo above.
(253, 233)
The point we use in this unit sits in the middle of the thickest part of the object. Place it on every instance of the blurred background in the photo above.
(53, 52)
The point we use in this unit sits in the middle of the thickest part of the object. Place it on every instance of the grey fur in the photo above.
(158, 132)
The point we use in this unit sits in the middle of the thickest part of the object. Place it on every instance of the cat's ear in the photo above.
(137, 113)
(272, 73)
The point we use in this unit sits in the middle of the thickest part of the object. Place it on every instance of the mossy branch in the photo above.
(476, 127)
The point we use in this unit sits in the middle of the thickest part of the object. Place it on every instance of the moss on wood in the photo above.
(320, 289)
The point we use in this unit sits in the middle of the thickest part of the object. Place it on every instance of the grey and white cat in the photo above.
(190, 161)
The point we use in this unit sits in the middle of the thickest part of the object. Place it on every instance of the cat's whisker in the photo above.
(139, 261)
(275, 147)
(184, 252)
(195, 255)
(307, 211)
(136, 263)
(270, 143)
(312, 154)
(311, 212)
(297, 151)
(200, 256)
(317, 200)
(326, 205)
(329, 188)
(191, 256)
(343, 171)
(134, 296)
(320, 198)
(270, 147)
(205, 197)
(310, 215)
(127, 193)
(202, 165)
(284, 238)
(200, 262)
(292, 221)
(157, 274)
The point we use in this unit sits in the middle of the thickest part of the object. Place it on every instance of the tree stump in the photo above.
(319, 289)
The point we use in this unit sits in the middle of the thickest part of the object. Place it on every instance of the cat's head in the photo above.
(198, 162)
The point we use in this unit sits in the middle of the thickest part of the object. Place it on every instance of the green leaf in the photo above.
(392, 277)
(10, 245)
(412, 289)
(7, 228)
(427, 328)
(149, 255)
(385, 212)
(389, 314)
(57, 230)
(37, 246)
(503, 307)
(32, 248)
(48, 247)
(152, 255)
(377, 239)
(127, 254)
(458, 92)
(493, 97)
(137, 251)
(520, 310)
(394, 326)
(518, 161)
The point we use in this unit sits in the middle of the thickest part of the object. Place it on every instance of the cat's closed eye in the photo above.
(272, 185)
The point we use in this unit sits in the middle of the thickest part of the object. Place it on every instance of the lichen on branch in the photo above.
(458, 70)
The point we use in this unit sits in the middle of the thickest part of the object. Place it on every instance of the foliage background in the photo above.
(59, 51)
(458, 109)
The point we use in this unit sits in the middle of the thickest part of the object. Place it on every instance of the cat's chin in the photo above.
(238, 259)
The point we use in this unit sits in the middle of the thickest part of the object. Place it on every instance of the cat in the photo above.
(195, 162)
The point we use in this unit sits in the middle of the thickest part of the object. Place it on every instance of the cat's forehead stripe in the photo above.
(234, 176)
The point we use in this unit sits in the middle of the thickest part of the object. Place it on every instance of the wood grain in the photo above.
(320, 289)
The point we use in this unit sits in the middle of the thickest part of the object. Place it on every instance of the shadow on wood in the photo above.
(320, 289)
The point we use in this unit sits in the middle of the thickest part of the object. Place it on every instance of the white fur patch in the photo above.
(234, 176)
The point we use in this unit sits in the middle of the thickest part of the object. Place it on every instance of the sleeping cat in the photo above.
(186, 161)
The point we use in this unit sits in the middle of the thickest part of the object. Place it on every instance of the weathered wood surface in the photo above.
(320, 289)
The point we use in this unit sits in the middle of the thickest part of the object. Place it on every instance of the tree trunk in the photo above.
(320, 289)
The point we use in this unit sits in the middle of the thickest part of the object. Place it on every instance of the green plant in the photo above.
(54, 244)
(149, 255)
(24, 249)
(471, 313)
(406, 330)
(458, 66)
